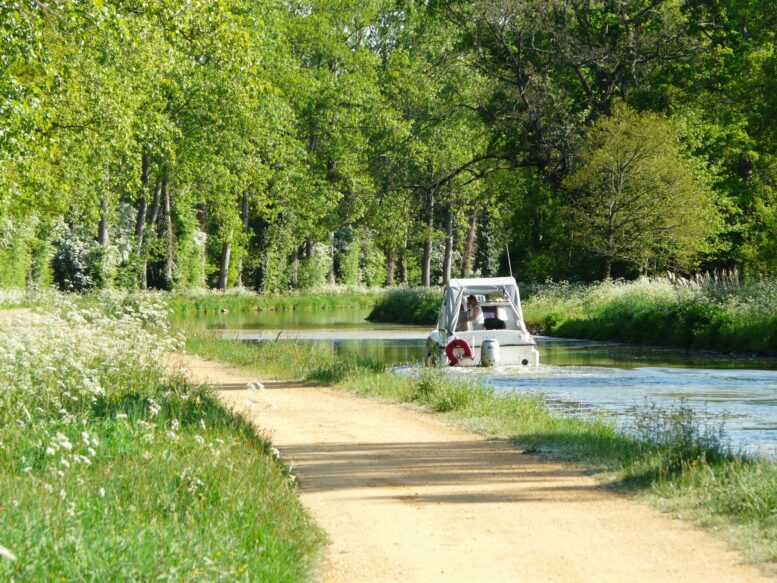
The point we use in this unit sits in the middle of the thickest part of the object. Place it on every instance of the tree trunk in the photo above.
(448, 258)
(140, 223)
(426, 263)
(402, 261)
(152, 225)
(469, 245)
(155, 203)
(294, 267)
(102, 230)
(607, 271)
(224, 267)
(202, 216)
(330, 278)
(390, 266)
(169, 235)
(244, 218)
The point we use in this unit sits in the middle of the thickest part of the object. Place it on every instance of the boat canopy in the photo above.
(459, 289)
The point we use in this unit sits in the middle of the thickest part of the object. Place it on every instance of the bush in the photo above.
(408, 306)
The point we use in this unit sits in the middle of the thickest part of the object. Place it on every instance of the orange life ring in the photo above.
(457, 343)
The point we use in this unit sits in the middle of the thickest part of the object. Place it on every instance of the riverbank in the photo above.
(113, 466)
(740, 319)
(211, 302)
(673, 459)
(404, 496)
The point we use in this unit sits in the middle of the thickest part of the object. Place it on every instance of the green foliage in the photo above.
(653, 311)
(327, 298)
(637, 199)
(349, 273)
(420, 128)
(407, 306)
(313, 270)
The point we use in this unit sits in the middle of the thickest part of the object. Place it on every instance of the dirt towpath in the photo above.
(404, 497)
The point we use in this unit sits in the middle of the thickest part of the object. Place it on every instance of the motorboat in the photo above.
(502, 338)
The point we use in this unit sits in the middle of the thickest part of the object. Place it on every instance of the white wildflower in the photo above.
(101, 491)
(7, 554)
(199, 439)
(121, 415)
(153, 407)
(50, 450)
(276, 453)
(64, 462)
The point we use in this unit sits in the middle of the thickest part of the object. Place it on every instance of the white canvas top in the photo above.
(459, 289)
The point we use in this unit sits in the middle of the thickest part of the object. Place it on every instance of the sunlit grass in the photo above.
(111, 468)
(655, 311)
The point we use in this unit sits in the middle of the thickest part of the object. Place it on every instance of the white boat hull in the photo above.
(515, 348)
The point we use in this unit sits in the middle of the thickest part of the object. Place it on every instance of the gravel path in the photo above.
(404, 497)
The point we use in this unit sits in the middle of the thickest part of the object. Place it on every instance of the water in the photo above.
(576, 377)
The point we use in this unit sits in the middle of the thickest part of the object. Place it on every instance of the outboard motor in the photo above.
(489, 353)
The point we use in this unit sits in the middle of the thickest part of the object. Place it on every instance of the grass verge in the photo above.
(111, 468)
(674, 458)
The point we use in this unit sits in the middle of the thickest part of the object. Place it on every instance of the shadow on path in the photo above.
(475, 471)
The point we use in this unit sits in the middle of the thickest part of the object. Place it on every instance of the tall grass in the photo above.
(672, 455)
(111, 468)
(656, 311)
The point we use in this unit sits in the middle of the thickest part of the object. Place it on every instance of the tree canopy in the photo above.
(276, 144)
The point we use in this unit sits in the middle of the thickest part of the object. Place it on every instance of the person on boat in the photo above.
(475, 319)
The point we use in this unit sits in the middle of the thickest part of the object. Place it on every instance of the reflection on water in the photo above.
(581, 377)
(281, 319)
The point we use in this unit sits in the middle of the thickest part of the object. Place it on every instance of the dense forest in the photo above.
(275, 144)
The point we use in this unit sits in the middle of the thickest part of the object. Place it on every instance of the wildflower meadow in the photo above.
(112, 465)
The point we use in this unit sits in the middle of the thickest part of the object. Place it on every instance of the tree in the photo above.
(636, 197)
